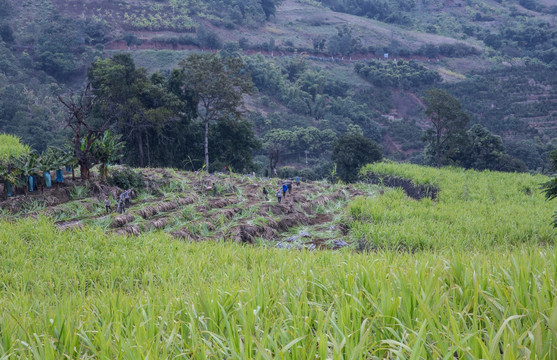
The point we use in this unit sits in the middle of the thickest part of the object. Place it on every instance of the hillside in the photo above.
(497, 58)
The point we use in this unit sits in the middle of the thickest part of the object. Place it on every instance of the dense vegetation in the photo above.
(46, 49)
(402, 74)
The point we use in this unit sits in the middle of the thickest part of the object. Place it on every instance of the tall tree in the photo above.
(448, 122)
(218, 86)
(269, 7)
(233, 143)
(86, 129)
(351, 152)
(141, 106)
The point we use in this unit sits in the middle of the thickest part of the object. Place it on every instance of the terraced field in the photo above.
(184, 205)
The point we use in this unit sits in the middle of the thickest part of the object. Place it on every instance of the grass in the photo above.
(88, 295)
(478, 279)
(473, 210)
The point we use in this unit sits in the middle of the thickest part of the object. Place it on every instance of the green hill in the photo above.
(497, 58)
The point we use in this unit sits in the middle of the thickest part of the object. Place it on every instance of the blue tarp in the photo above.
(47, 179)
(59, 176)
(31, 183)
(9, 189)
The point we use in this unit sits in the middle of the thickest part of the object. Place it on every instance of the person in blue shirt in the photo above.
(284, 189)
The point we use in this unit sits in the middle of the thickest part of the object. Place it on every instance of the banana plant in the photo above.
(45, 163)
(107, 148)
(60, 158)
(27, 165)
(10, 176)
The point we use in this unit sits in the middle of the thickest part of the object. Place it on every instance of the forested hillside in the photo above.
(320, 69)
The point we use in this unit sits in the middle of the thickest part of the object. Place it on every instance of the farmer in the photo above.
(279, 195)
(121, 203)
(284, 189)
(107, 205)
(297, 181)
(214, 190)
(289, 185)
(266, 193)
(127, 195)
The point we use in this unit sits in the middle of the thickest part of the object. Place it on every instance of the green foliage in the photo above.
(399, 307)
(482, 150)
(79, 192)
(144, 109)
(294, 143)
(524, 37)
(448, 125)
(108, 148)
(233, 143)
(217, 87)
(11, 148)
(208, 39)
(550, 187)
(6, 33)
(472, 210)
(400, 74)
(497, 100)
(126, 178)
(343, 42)
(352, 151)
(387, 11)
(60, 47)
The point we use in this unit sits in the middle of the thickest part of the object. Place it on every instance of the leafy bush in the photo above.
(405, 74)
(287, 172)
(126, 178)
(79, 192)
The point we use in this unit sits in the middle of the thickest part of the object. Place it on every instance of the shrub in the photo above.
(126, 178)
(79, 192)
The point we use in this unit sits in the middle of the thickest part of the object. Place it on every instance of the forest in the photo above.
(47, 53)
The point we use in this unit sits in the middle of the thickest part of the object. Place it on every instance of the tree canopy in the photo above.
(352, 151)
(217, 86)
(448, 124)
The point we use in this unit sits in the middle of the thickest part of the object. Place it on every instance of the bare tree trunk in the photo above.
(140, 145)
(438, 149)
(84, 169)
(207, 146)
